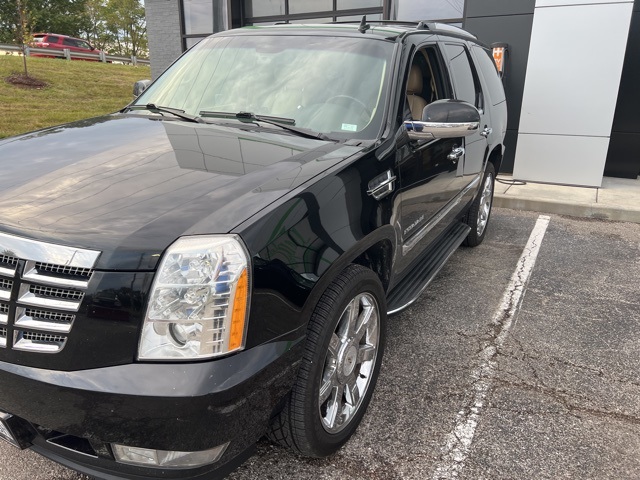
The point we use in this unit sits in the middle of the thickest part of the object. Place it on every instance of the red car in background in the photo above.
(60, 42)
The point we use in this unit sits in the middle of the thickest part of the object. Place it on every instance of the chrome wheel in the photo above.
(349, 363)
(485, 205)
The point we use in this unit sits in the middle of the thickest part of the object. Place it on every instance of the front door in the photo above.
(430, 176)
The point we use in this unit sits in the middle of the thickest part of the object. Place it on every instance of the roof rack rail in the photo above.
(426, 25)
(390, 22)
(421, 25)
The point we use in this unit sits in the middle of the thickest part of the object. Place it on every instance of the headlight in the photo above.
(199, 301)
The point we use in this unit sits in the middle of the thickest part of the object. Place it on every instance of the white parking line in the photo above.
(458, 441)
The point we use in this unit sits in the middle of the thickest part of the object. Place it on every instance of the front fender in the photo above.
(302, 244)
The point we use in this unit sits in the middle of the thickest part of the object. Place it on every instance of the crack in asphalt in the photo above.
(562, 397)
(549, 360)
(459, 441)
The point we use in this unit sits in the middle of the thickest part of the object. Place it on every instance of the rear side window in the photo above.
(490, 74)
(53, 39)
(464, 78)
(69, 42)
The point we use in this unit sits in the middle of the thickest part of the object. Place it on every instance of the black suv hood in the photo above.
(129, 185)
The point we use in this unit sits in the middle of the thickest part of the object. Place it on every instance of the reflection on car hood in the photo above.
(130, 185)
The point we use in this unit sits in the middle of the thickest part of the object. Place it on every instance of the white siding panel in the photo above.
(561, 159)
(574, 69)
(570, 92)
(558, 3)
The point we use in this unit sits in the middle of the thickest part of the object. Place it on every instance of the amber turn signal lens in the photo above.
(239, 315)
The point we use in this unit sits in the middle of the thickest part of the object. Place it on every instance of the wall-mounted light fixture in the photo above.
(500, 52)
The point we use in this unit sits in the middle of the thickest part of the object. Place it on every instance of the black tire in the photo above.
(475, 215)
(305, 424)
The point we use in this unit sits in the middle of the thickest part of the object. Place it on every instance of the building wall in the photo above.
(163, 31)
(623, 157)
(506, 21)
(571, 88)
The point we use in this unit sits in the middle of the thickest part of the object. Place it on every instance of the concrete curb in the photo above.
(584, 210)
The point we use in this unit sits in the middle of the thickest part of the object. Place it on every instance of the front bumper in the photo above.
(182, 407)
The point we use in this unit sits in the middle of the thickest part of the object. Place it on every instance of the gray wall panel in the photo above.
(623, 159)
(491, 8)
(626, 118)
(510, 143)
(163, 32)
(516, 31)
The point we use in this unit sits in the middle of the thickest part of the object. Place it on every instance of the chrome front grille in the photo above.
(38, 342)
(38, 319)
(42, 286)
(51, 292)
(8, 260)
(64, 270)
(5, 288)
(4, 313)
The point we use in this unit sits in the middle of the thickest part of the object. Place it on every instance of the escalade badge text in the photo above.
(413, 225)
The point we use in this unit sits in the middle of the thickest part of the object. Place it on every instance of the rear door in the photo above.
(468, 88)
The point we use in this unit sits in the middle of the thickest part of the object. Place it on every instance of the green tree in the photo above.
(125, 20)
(9, 21)
(97, 33)
(67, 17)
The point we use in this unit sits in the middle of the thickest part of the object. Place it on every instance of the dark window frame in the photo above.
(244, 21)
(482, 51)
(439, 63)
(477, 85)
(452, 20)
(334, 13)
(184, 36)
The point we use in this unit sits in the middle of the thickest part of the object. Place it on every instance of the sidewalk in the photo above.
(618, 199)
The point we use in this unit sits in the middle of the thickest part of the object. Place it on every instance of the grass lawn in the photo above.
(75, 90)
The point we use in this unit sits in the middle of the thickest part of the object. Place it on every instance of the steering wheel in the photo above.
(351, 99)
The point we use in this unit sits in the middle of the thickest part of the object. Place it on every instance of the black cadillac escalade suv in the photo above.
(217, 261)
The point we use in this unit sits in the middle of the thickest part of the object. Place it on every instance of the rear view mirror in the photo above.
(444, 119)
(139, 87)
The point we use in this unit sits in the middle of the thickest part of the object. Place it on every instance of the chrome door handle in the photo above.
(455, 154)
(486, 132)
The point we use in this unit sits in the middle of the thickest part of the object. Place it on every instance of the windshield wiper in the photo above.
(152, 107)
(284, 123)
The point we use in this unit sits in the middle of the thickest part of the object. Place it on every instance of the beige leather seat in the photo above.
(414, 88)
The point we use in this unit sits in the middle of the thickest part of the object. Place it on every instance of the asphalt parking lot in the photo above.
(468, 390)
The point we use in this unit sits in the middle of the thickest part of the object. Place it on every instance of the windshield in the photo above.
(332, 85)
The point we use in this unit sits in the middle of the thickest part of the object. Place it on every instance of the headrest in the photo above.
(414, 85)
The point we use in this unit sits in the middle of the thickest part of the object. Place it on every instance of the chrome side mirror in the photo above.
(139, 87)
(444, 119)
